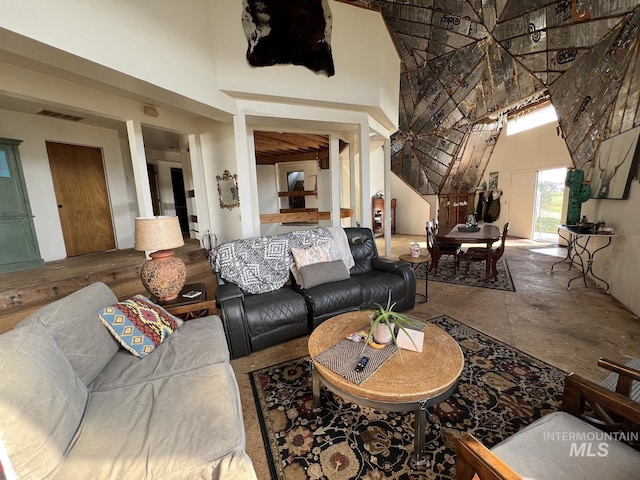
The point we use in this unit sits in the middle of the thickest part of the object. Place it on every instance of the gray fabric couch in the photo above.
(73, 404)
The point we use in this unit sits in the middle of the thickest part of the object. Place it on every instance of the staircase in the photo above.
(23, 292)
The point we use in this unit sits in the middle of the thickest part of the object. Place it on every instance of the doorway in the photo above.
(295, 183)
(180, 199)
(548, 204)
(84, 208)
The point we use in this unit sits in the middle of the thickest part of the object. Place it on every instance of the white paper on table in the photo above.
(404, 340)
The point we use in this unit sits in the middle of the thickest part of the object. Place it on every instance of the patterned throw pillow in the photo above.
(139, 324)
(309, 256)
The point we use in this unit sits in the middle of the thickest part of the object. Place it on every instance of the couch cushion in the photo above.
(198, 343)
(333, 298)
(275, 317)
(323, 272)
(73, 323)
(165, 428)
(575, 449)
(42, 400)
(139, 324)
(308, 256)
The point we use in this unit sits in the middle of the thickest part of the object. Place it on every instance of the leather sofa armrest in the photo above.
(227, 291)
(384, 264)
(229, 299)
(404, 270)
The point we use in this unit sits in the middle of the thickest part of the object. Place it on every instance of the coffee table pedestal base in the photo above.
(419, 408)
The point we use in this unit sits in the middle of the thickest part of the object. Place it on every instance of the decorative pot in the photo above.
(415, 250)
(381, 333)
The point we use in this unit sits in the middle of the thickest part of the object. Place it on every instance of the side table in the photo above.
(189, 308)
(415, 263)
(577, 246)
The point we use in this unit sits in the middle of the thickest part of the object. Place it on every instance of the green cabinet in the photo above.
(18, 243)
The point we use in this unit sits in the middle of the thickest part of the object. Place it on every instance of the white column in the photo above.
(247, 181)
(365, 176)
(140, 173)
(387, 197)
(334, 169)
(352, 182)
(198, 174)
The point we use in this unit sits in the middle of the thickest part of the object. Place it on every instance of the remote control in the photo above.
(192, 294)
(361, 364)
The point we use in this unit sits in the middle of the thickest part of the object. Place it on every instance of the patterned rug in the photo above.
(476, 275)
(500, 391)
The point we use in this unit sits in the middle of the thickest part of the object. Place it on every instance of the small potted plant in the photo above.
(383, 326)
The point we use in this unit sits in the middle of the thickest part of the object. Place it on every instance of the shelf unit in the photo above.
(378, 221)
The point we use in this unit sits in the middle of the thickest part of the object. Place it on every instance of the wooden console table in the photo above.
(577, 245)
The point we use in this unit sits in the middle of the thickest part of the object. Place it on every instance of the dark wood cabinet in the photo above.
(455, 208)
(377, 209)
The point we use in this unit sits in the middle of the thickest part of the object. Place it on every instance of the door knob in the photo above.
(59, 206)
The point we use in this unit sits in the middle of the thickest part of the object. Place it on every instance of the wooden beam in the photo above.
(266, 159)
(298, 193)
(302, 216)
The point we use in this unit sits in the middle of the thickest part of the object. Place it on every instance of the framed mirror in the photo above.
(228, 190)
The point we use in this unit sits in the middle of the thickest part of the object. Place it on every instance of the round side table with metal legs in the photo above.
(415, 263)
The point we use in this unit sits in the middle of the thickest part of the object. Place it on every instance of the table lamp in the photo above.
(164, 275)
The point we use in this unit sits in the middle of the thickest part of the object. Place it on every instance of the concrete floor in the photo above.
(568, 329)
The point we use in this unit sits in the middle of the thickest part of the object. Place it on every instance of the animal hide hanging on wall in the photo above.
(289, 32)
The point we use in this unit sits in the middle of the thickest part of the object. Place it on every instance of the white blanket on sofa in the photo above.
(262, 264)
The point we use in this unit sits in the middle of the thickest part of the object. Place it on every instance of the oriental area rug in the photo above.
(500, 391)
(475, 277)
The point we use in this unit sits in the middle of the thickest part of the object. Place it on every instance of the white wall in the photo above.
(619, 263)
(365, 60)
(219, 154)
(34, 131)
(537, 149)
(162, 42)
(412, 210)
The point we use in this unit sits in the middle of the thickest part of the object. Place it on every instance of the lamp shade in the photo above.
(158, 233)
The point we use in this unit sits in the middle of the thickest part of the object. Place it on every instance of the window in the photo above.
(539, 117)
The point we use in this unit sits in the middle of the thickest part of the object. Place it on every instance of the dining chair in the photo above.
(437, 248)
(494, 254)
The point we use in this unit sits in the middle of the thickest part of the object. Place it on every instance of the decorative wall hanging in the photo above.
(228, 190)
(616, 165)
(285, 32)
(493, 181)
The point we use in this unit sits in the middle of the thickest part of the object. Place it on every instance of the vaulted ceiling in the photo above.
(467, 64)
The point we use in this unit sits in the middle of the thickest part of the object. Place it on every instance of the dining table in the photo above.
(484, 233)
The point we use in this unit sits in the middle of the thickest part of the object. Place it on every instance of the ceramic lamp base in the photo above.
(164, 275)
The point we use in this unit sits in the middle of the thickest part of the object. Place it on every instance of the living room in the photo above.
(196, 78)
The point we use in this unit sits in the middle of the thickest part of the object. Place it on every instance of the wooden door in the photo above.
(82, 197)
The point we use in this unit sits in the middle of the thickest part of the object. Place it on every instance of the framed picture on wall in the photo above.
(616, 165)
(493, 181)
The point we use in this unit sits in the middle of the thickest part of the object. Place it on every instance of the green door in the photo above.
(18, 243)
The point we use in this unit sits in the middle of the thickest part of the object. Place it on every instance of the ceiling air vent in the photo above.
(63, 116)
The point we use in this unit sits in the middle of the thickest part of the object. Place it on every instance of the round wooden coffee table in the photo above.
(411, 384)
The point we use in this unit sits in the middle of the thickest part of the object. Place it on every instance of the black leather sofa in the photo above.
(256, 321)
